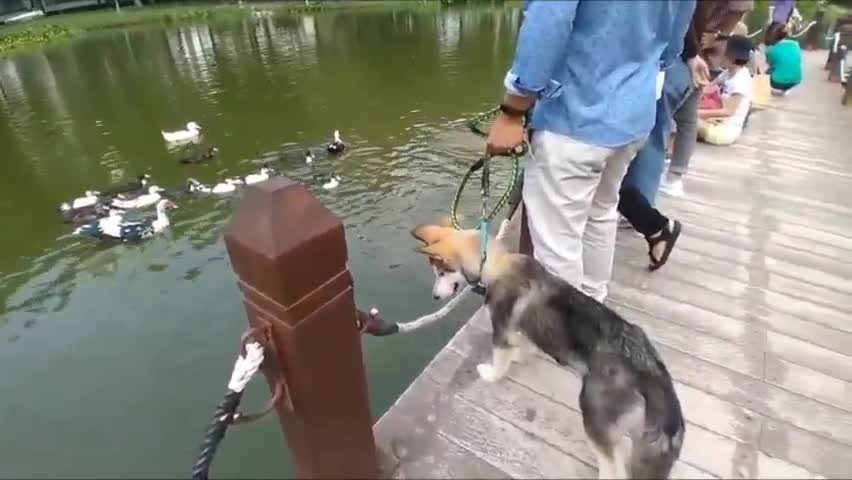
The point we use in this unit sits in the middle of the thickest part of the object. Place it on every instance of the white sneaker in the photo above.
(673, 186)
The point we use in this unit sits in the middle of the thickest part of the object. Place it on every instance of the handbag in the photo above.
(710, 99)
(761, 91)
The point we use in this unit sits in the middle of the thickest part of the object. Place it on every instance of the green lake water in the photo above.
(113, 357)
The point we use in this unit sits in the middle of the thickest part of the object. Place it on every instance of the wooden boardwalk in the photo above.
(752, 316)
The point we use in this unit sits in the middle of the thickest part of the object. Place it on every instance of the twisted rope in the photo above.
(245, 368)
(442, 312)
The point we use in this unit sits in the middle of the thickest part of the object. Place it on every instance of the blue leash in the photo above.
(484, 220)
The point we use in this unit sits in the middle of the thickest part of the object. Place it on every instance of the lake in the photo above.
(114, 356)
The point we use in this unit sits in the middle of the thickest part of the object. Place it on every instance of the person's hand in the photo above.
(506, 133)
(700, 71)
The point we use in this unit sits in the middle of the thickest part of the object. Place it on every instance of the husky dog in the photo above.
(631, 413)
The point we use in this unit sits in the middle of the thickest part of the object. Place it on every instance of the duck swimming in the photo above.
(199, 156)
(309, 157)
(261, 176)
(114, 225)
(337, 145)
(134, 187)
(332, 183)
(222, 188)
(86, 214)
(180, 136)
(140, 201)
(89, 198)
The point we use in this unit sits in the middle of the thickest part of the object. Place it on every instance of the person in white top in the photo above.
(722, 126)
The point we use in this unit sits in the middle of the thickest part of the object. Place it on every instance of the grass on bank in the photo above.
(19, 36)
(50, 28)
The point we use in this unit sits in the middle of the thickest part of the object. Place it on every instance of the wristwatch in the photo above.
(512, 111)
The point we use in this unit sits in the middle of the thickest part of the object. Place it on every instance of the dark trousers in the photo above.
(781, 86)
(646, 219)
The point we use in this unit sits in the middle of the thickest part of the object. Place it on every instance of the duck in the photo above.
(89, 198)
(130, 188)
(258, 177)
(309, 157)
(86, 214)
(337, 145)
(178, 136)
(140, 201)
(199, 156)
(332, 183)
(107, 223)
(114, 226)
(222, 188)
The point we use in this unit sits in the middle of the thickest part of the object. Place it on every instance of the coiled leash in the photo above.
(371, 322)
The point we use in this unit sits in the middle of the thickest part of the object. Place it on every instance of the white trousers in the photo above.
(571, 196)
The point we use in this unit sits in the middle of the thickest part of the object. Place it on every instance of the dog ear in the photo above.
(439, 251)
(430, 234)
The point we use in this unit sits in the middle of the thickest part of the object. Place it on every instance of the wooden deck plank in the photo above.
(792, 341)
(750, 316)
(632, 269)
(755, 277)
(414, 446)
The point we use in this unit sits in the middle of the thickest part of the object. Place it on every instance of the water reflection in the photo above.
(397, 83)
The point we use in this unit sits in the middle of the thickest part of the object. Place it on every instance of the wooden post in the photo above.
(289, 253)
(835, 74)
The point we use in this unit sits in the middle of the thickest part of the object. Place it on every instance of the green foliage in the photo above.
(33, 36)
(39, 32)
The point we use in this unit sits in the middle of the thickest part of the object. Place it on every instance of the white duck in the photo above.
(106, 224)
(261, 176)
(332, 183)
(115, 227)
(147, 199)
(178, 136)
(89, 198)
(309, 157)
(337, 145)
(222, 188)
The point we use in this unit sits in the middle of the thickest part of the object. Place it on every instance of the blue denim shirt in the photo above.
(592, 64)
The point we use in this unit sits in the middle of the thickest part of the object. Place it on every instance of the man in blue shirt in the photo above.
(591, 69)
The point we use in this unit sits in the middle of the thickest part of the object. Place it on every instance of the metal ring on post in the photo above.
(277, 395)
(280, 387)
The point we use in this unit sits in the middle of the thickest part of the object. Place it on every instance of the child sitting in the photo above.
(722, 126)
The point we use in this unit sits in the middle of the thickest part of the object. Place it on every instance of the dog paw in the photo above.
(519, 355)
(486, 372)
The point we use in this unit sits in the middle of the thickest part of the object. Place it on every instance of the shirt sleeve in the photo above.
(542, 40)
